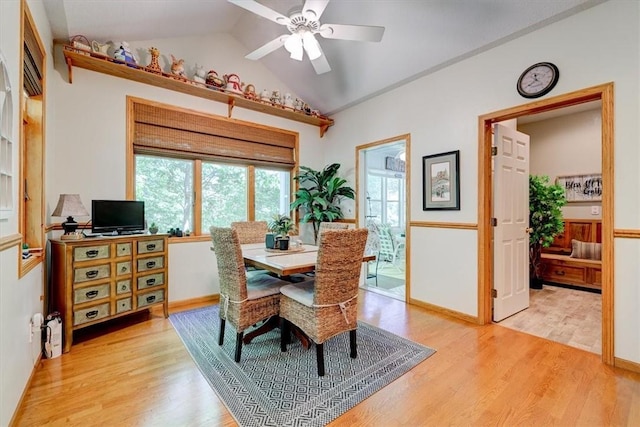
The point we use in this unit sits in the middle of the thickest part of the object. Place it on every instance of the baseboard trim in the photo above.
(445, 311)
(626, 364)
(189, 303)
(26, 389)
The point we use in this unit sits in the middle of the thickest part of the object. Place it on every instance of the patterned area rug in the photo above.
(271, 388)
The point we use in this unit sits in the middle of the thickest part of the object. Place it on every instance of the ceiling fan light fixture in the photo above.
(311, 46)
(293, 44)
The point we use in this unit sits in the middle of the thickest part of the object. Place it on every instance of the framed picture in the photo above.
(581, 188)
(441, 181)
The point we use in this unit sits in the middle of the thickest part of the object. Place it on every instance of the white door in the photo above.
(511, 210)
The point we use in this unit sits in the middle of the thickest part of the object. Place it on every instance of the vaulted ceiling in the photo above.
(421, 36)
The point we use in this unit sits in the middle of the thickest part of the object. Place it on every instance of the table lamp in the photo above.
(70, 205)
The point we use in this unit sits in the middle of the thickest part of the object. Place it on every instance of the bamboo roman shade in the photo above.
(33, 61)
(180, 133)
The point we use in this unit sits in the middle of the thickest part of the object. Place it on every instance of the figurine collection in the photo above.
(228, 83)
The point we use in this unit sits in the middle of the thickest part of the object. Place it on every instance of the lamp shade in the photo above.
(70, 205)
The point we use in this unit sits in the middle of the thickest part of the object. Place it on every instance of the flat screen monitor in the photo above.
(117, 216)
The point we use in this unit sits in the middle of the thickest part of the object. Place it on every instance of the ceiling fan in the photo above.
(304, 24)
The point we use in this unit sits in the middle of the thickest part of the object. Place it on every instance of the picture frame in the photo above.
(581, 188)
(441, 181)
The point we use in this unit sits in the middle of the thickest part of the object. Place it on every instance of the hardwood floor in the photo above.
(141, 375)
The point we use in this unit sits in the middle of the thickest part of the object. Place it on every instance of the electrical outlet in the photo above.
(595, 210)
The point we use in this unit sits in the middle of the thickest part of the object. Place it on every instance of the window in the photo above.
(194, 171)
(31, 185)
(384, 199)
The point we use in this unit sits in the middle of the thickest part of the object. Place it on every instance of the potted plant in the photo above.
(545, 222)
(320, 194)
(153, 229)
(282, 225)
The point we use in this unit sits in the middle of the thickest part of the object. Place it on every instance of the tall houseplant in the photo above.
(319, 195)
(545, 221)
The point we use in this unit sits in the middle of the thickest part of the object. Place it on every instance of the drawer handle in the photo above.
(152, 298)
(92, 314)
(151, 264)
(151, 281)
(91, 274)
(92, 253)
(123, 288)
(151, 246)
(560, 272)
(124, 268)
(91, 294)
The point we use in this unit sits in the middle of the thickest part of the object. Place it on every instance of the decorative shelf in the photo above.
(107, 65)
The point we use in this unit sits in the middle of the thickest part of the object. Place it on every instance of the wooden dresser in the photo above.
(98, 279)
(559, 267)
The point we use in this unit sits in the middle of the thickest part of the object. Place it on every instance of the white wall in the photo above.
(567, 145)
(441, 111)
(19, 298)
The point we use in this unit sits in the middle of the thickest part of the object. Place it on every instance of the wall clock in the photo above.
(538, 80)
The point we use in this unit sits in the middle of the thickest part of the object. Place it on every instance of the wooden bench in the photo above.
(559, 267)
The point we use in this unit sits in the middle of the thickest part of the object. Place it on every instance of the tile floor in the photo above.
(568, 316)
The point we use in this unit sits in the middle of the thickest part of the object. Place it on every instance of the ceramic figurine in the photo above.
(177, 67)
(154, 66)
(200, 76)
(213, 80)
(298, 104)
(265, 96)
(275, 98)
(287, 100)
(233, 83)
(100, 48)
(250, 91)
(124, 54)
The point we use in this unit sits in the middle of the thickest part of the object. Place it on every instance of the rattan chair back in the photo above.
(324, 226)
(231, 271)
(250, 231)
(339, 265)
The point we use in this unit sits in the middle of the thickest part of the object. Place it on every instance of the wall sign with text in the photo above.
(582, 188)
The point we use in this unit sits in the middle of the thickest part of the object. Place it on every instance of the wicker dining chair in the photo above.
(328, 305)
(250, 231)
(330, 226)
(244, 300)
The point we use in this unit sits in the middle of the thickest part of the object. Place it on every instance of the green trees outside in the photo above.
(166, 185)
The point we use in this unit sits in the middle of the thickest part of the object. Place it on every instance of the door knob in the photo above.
(528, 230)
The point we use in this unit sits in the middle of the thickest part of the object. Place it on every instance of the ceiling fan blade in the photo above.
(364, 33)
(268, 48)
(312, 9)
(321, 65)
(265, 12)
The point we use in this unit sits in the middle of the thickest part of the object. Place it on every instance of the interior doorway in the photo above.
(382, 207)
(603, 93)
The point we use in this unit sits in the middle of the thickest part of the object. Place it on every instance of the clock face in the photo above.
(538, 80)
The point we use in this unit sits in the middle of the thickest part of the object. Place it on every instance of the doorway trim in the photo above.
(407, 198)
(603, 93)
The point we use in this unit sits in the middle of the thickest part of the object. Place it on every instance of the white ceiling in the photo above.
(421, 36)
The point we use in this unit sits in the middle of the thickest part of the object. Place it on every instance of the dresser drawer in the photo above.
(149, 246)
(145, 264)
(123, 305)
(123, 249)
(90, 314)
(150, 280)
(91, 252)
(123, 268)
(123, 286)
(95, 272)
(565, 274)
(90, 293)
(150, 298)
